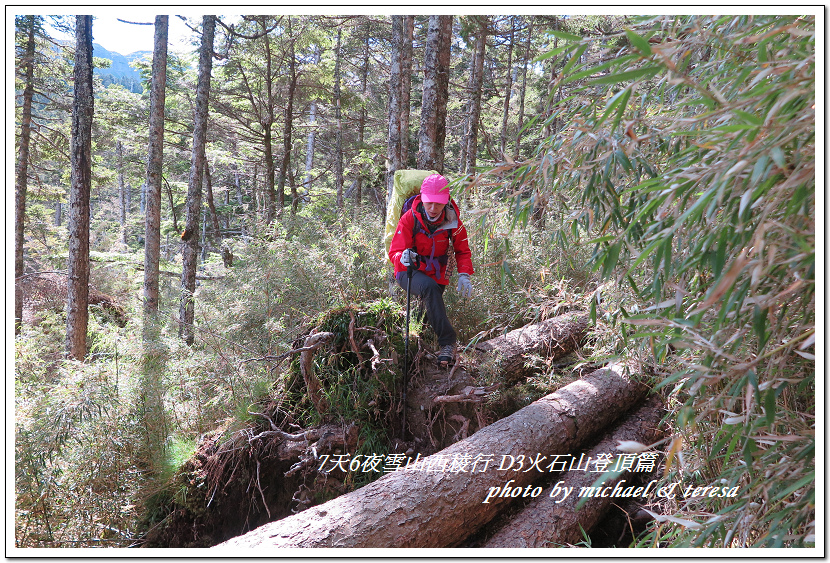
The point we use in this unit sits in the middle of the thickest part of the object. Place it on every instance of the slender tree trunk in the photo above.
(155, 154)
(270, 190)
(22, 175)
(172, 207)
(444, 52)
(289, 123)
(524, 89)
(122, 196)
(312, 130)
(190, 236)
(77, 312)
(338, 145)
(406, 85)
(361, 126)
(309, 149)
(508, 89)
(267, 125)
(58, 214)
(216, 236)
(393, 153)
(475, 100)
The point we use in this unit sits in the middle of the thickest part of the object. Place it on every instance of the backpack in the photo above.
(406, 185)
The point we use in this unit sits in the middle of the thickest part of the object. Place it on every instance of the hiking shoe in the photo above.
(446, 354)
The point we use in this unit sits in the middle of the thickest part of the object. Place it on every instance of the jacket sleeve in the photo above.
(463, 256)
(401, 240)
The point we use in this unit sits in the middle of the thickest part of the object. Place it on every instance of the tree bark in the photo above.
(393, 151)
(444, 51)
(22, 175)
(548, 523)
(508, 89)
(208, 179)
(122, 193)
(338, 117)
(434, 99)
(475, 100)
(312, 129)
(267, 122)
(77, 313)
(361, 126)
(523, 90)
(190, 236)
(406, 85)
(433, 508)
(555, 338)
(289, 122)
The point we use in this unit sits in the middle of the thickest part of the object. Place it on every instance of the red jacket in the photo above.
(432, 250)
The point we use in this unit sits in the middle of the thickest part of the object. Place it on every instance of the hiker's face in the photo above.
(434, 209)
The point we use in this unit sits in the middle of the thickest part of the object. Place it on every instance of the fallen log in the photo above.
(550, 521)
(430, 505)
(554, 338)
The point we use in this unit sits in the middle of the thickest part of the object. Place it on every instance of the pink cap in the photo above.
(434, 189)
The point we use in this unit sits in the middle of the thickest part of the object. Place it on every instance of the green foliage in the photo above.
(688, 165)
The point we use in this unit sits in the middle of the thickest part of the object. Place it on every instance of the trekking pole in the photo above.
(409, 270)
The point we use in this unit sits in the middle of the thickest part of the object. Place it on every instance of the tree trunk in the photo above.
(338, 117)
(312, 119)
(172, 207)
(289, 121)
(190, 236)
(216, 235)
(155, 161)
(393, 152)
(22, 176)
(428, 134)
(549, 521)
(406, 85)
(309, 151)
(445, 32)
(122, 194)
(523, 90)
(555, 338)
(429, 506)
(77, 313)
(475, 100)
(508, 89)
(267, 122)
(361, 126)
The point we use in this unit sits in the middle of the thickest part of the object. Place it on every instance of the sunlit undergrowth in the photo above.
(97, 442)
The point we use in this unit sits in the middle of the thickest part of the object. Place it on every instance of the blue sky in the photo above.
(126, 38)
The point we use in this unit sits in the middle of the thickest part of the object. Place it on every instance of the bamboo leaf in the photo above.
(646, 72)
(638, 42)
(564, 35)
(574, 58)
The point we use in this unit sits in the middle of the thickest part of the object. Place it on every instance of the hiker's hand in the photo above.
(409, 257)
(465, 286)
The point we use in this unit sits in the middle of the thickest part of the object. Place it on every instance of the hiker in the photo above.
(422, 239)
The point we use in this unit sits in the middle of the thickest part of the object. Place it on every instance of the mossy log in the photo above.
(551, 521)
(553, 338)
(431, 508)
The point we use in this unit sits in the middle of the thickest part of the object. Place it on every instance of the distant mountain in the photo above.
(120, 72)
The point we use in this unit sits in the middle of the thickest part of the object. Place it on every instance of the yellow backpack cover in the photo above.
(406, 184)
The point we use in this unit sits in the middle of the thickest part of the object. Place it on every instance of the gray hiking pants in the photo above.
(432, 298)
